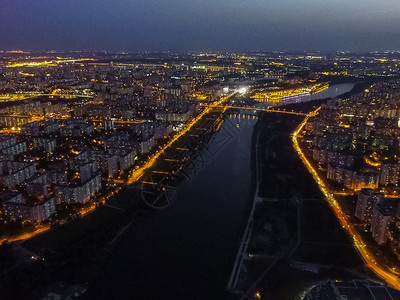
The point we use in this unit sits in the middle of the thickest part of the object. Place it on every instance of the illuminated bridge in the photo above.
(263, 109)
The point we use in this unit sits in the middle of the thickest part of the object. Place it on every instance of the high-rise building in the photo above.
(389, 174)
(14, 173)
(380, 221)
(366, 201)
(108, 163)
(109, 124)
(14, 208)
(77, 192)
(31, 129)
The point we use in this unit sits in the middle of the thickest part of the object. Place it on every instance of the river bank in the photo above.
(188, 249)
(296, 237)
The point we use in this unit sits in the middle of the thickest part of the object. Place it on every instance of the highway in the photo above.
(383, 271)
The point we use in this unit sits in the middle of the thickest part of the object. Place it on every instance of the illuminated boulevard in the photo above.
(134, 176)
(137, 173)
(382, 271)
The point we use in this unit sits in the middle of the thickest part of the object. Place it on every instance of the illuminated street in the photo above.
(127, 171)
(137, 174)
(382, 271)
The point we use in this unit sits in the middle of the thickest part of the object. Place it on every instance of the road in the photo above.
(382, 271)
(138, 173)
(27, 235)
(135, 175)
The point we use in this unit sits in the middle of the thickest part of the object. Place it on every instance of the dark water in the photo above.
(333, 91)
(187, 250)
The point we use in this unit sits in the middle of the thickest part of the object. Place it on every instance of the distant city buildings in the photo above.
(354, 142)
(354, 289)
(71, 129)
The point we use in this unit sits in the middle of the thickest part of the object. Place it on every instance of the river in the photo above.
(333, 91)
(187, 251)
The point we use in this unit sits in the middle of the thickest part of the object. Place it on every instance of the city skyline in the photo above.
(285, 153)
(200, 149)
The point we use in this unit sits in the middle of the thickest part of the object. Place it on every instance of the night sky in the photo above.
(180, 25)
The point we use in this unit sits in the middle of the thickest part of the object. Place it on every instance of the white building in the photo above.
(380, 222)
(14, 173)
(366, 201)
(78, 193)
(16, 209)
(126, 159)
(108, 163)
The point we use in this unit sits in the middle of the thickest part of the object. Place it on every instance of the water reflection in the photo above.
(188, 249)
(333, 91)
